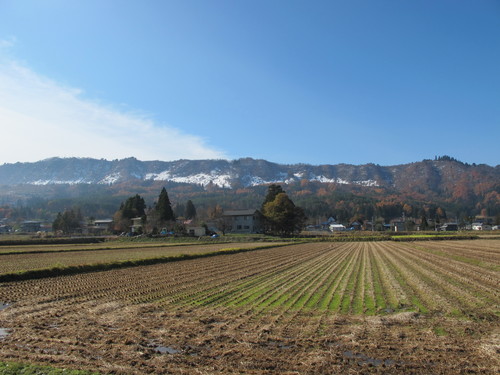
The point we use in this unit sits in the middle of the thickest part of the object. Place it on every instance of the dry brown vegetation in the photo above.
(27, 258)
(363, 307)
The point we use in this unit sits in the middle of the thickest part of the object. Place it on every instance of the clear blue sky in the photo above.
(318, 82)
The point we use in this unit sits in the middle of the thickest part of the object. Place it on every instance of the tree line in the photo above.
(160, 217)
(460, 202)
(278, 215)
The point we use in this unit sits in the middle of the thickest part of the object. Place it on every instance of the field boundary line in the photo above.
(97, 267)
(111, 248)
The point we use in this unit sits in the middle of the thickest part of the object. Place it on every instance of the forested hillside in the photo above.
(439, 188)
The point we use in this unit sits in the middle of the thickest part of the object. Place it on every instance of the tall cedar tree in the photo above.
(190, 211)
(68, 222)
(133, 207)
(164, 208)
(179, 209)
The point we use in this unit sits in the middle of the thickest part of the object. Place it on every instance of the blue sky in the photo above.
(318, 82)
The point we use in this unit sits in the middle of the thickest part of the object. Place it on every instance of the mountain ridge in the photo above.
(342, 190)
(223, 173)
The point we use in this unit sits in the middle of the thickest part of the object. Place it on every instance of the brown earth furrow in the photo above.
(446, 293)
(89, 322)
(464, 280)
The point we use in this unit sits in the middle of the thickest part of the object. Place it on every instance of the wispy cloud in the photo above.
(7, 42)
(41, 118)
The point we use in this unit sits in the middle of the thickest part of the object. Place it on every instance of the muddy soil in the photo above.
(149, 320)
(114, 337)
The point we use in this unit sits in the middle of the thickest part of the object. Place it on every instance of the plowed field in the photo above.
(25, 258)
(361, 307)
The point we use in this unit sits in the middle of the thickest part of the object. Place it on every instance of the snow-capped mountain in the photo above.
(222, 173)
(238, 173)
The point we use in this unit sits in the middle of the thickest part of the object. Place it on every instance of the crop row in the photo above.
(46, 259)
(347, 278)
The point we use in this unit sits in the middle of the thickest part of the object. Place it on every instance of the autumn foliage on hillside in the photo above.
(438, 190)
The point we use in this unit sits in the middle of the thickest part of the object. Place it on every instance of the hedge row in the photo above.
(52, 241)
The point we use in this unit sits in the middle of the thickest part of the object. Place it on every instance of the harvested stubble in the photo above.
(48, 257)
(268, 311)
(342, 277)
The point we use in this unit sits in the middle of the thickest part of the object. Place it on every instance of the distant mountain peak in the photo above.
(245, 172)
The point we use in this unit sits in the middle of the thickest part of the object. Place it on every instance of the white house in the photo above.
(337, 227)
(136, 226)
(100, 226)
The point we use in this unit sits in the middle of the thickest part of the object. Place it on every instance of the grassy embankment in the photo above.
(14, 368)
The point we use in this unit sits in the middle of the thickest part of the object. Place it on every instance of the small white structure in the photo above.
(337, 227)
(136, 226)
(480, 226)
(100, 226)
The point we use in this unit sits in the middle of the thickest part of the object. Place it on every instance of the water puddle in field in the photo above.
(279, 345)
(3, 306)
(364, 359)
(4, 332)
(162, 349)
(166, 350)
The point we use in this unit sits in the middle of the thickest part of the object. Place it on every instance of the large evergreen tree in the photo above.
(190, 211)
(179, 210)
(68, 222)
(133, 207)
(164, 208)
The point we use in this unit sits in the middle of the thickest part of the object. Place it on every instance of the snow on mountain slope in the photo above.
(242, 172)
(221, 180)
